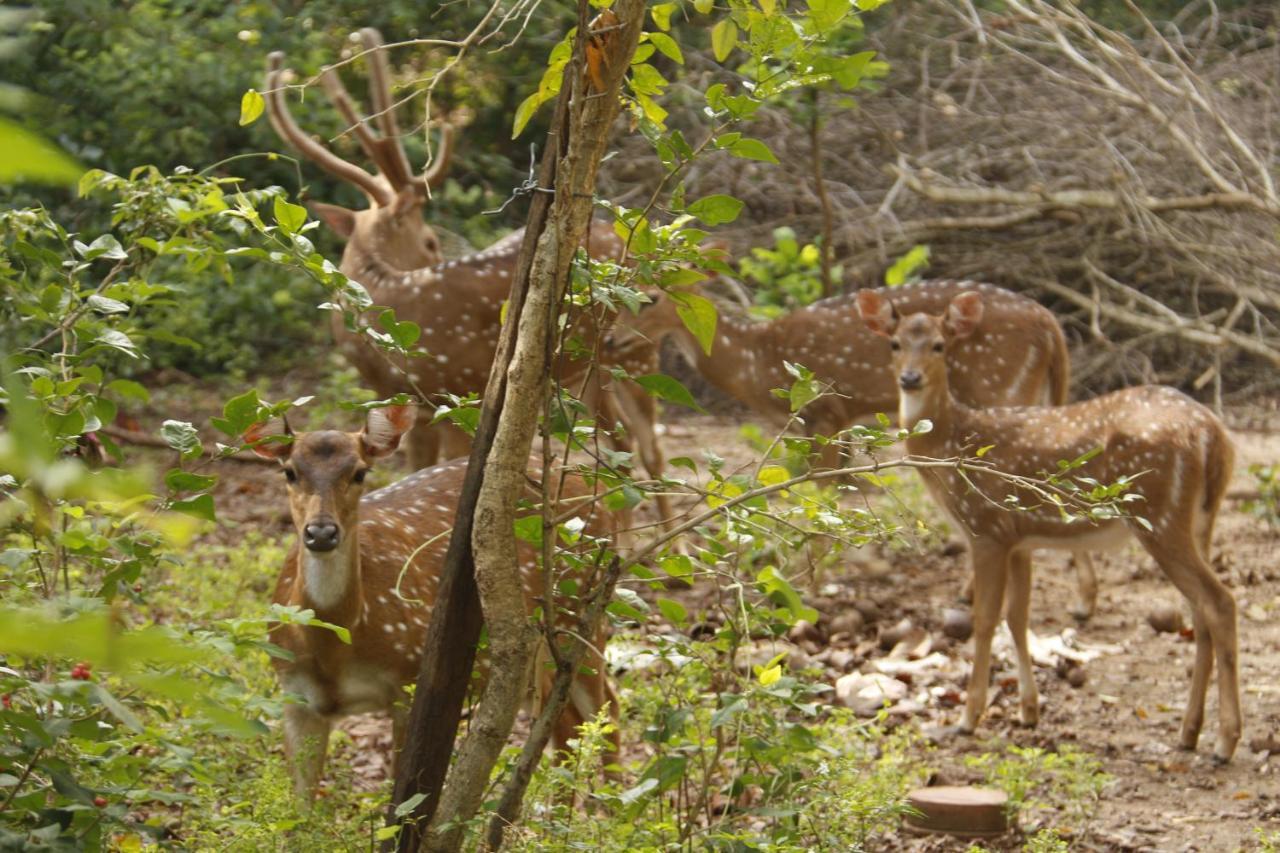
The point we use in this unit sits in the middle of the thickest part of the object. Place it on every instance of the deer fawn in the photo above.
(370, 563)
(828, 337)
(1180, 450)
(457, 304)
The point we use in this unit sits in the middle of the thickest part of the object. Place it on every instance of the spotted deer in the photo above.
(370, 563)
(457, 304)
(1178, 451)
(1017, 356)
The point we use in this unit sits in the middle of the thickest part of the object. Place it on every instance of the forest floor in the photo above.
(1127, 711)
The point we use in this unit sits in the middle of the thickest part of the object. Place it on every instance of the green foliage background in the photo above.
(123, 84)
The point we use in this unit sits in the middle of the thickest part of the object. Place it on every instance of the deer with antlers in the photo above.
(370, 564)
(1177, 451)
(1017, 356)
(457, 304)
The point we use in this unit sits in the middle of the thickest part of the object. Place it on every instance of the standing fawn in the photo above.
(1017, 356)
(371, 563)
(1179, 451)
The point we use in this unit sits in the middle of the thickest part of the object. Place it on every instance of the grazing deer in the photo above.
(1179, 451)
(457, 304)
(371, 563)
(1017, 356)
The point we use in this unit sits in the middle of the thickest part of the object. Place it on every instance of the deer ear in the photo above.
(964, 314)
(340, 219)
(877, 313)
(383, 429)
(277, 450)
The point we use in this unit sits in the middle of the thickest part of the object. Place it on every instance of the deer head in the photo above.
(326, 470)
(391, 226)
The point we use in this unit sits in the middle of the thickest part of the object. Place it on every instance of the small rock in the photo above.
(1165, 618)
(804, 631)
(841, 659)
(1076, 676)
(869, 609)
(957, 624)
(866, 694)
(891, 636)
(914, 645)
(760, 652)
(1269, 744)
(850, 621)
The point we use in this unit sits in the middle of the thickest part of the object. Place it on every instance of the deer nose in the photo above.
(320, 536)
(910, 379)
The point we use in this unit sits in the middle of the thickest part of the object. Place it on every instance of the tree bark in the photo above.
(483, 538)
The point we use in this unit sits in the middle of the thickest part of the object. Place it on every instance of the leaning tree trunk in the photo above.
(483, 532)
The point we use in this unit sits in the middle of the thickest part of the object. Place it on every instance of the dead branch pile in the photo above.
(1128, 180)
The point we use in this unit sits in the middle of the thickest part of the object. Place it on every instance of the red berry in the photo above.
(100, 802)
(6, 701)
(82, 671)
(137, 587)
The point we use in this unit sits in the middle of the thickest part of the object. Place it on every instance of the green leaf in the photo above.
(405, 332)
(200, 506)
(239, 413)
(529, 529)
(667, 388)
(724, 38)
(698, 314)
(117, 708)
(106, 246)
(904, 269)
(674, 611)
(409, 805)
(184, 481)
(662, 15)
(667, 46)
(104, 305)
(129, 389)
(290, 217)
(251, 106)
(528, 107)
(826, 14)
(118, 341)
(716, 209)
(26, 158)
(703, 7)
(182, 437)
(752, 149)
(677, 565)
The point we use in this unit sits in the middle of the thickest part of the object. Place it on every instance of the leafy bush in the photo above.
(785, 277)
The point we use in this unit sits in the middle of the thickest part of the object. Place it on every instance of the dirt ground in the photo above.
(1127, 711)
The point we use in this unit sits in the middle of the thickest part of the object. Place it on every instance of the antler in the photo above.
(288, 130)
(383, 143)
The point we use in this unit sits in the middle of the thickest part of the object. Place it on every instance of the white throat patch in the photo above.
(910, 406)
(327, 576)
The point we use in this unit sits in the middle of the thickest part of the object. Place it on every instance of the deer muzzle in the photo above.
(321, 535)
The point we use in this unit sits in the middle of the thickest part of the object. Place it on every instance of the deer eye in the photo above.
(358, 477)
(938, 346)
(894, 345)
(291, 475)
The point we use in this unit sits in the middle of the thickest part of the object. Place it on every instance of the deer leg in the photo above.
(1178, 554)
(399, 730)
(454, 443)
(990, 572)
(306, 740)
(1018, 612)
(1193, 719)
(423, 444)
(1086, 586)
(639, 413)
